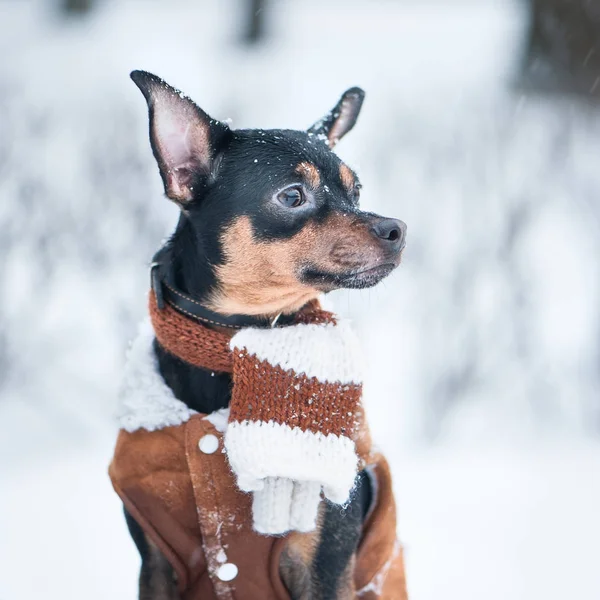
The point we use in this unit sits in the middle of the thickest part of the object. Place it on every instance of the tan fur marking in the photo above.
(262, 277)
(347, 177)
(259, 278)
(296, 562)
(310, 173)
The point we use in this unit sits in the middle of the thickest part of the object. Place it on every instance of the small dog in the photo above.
(270, 220)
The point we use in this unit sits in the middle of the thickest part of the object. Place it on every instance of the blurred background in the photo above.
(481, 130)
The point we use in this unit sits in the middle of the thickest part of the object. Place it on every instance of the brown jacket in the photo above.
(187, 502)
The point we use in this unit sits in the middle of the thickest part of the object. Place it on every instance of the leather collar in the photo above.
(166, 292)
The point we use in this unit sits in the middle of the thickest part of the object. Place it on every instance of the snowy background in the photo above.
(484, 347)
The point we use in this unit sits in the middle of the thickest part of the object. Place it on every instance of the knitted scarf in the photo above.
(294, 409)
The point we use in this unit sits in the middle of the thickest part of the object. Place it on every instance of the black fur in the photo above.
(340, 536)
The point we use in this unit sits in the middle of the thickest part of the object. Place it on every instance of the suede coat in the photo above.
(189, 505)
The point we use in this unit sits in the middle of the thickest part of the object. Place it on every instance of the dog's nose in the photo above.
(391, 230)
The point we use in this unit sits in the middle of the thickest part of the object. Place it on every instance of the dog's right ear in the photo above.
(184, 139)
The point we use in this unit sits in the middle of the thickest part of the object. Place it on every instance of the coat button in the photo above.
(227, 572)
(209, 443)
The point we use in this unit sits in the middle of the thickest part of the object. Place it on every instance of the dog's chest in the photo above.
(201, 390)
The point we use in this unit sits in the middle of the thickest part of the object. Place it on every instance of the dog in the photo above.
(270, 220)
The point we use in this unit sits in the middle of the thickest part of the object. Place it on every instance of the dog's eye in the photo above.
(292, 197)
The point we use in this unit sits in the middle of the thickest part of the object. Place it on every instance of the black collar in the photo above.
(165, 290)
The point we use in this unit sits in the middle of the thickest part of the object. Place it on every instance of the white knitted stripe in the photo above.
(145, 400)
(328, 352)
(257, 450)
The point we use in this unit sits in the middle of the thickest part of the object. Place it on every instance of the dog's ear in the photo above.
(185, 140)
(341, 119)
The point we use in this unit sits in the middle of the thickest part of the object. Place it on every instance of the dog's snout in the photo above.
(391, 230)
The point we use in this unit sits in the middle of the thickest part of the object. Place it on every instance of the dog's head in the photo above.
(275, 213)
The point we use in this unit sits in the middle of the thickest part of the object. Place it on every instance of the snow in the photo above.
(482, 385)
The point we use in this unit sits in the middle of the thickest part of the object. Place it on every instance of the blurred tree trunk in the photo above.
(255, 21)
(563, 46)
(76, 6)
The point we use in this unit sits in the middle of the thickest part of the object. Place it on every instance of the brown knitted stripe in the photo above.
(265, 392)
(188, 340)
(313, 314)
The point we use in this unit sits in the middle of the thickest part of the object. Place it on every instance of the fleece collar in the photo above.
(145, 400)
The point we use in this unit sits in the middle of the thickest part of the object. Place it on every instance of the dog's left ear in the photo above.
(184, 139)
(341, 119)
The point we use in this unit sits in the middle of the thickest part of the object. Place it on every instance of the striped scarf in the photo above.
(295, 408)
